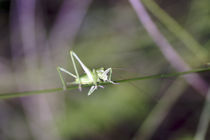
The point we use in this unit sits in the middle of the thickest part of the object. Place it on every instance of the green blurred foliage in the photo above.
(113, 37)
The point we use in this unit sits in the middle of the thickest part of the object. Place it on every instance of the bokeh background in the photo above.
(36, 37)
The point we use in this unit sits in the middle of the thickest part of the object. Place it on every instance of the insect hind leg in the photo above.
(75, 69)
(60, 69)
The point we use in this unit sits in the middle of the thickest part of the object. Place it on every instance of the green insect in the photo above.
(95, 77)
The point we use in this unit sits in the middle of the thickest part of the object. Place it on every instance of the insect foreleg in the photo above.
(110, 74)
(109, 70)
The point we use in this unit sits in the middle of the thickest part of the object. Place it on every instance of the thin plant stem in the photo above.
(155, 76)
(204, 119)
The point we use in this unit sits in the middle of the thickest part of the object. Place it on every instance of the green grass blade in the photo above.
(177, 30)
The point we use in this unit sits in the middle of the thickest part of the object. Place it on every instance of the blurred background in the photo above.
(36, 37)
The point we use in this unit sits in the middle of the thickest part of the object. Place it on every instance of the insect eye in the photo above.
(101, 79)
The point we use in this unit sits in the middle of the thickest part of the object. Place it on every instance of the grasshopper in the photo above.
(94, 77)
